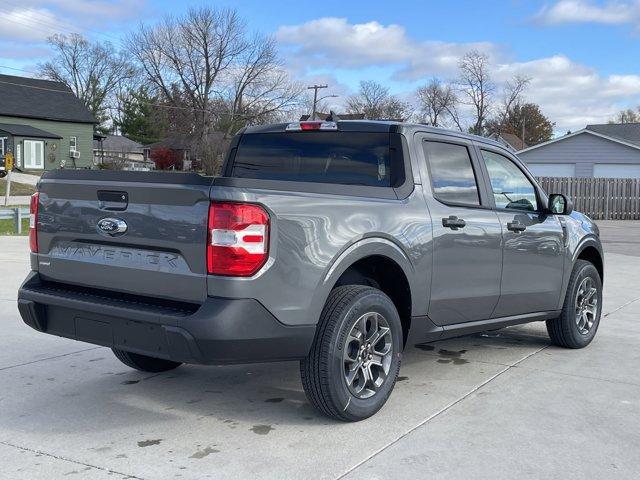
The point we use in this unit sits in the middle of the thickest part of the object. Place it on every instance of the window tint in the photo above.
(511, 188)
(452, 175)
(353, 158)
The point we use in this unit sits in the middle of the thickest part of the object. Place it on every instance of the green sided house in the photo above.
(44, 125)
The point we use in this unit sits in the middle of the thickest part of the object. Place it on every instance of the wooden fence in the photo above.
(599, 198)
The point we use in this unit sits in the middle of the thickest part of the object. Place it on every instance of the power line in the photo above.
(58, 27)
(18, 69)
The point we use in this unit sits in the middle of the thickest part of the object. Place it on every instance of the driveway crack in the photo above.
(48, 358)
(441, 411)
(64, 459)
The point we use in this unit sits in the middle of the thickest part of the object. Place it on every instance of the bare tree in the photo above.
(211, 78)
(259, 89)
(376, 103)
(205, 63)
(438, 104)
(477, 87)
(627, 116)
(93, 71)
(184, 57)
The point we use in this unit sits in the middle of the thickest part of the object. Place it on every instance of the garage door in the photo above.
(616, 170)
(552, 169)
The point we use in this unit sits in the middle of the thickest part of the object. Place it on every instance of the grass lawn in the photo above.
(7, 226)
(16, 188)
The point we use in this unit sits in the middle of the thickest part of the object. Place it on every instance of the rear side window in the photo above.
(348, 158)
(452, 176)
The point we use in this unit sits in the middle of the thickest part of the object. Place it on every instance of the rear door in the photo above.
(534, 243)
(467, 250)
(142, 233)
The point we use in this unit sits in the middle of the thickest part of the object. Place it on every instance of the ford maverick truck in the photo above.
(325, 242)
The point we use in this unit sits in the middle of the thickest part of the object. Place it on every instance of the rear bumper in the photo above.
(220, 331)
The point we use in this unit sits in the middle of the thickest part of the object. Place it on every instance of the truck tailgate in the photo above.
(142, 233)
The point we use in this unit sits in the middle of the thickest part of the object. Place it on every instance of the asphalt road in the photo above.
(499, 405)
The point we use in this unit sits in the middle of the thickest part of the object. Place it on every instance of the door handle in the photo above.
(516, 226)
(453, 222)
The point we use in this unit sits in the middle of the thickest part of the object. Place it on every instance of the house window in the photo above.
(3, 146)
(34, 154)
(73, 144)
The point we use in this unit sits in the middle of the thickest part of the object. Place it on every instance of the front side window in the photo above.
(452, 176)
(73, 143)
(511, 188)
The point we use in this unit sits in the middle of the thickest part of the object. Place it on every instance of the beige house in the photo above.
(121, 153)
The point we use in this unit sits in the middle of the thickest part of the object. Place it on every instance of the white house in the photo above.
(602, 151)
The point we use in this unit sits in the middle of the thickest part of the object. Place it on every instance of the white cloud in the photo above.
(569, 93)
(582, 11)
(334, 42)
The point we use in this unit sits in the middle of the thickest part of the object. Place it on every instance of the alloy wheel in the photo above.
(368, 351)
(586, 305)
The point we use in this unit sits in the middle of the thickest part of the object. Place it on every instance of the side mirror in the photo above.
(559, 204)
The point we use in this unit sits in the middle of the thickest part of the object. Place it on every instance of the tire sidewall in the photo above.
(359, 408)
(586, 270)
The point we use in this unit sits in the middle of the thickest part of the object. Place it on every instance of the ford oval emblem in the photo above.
(112, 227)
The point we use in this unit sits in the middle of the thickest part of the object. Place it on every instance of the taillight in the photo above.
(33, 222)
(238, 239)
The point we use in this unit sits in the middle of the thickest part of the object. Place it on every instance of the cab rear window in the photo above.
(347, 158)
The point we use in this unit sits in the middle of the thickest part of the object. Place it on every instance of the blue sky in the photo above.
(582, 55)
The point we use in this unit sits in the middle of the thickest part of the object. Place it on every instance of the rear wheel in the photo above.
(578, 323)
(144, 363)
(355, 358)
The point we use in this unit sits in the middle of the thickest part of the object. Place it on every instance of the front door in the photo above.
(34, 154)
(534, 243)
(467, 241)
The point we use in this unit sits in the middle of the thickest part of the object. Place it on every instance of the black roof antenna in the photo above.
(332, 117)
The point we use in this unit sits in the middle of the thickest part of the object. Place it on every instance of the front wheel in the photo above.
(355, 358)
(580, 317)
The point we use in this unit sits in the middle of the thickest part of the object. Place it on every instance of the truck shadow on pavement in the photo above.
(91, 390)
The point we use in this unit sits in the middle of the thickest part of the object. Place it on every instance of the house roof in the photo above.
(629, 132)
(513, 140)
(44, 99)
(117, 143)
(583, 132)
(26, 131)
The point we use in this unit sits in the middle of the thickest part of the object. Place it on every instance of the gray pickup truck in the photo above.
(331, 243)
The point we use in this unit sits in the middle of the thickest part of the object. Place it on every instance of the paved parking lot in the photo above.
(504, 404)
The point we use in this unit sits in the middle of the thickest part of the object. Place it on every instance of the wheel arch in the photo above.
(377, 262)
(590, 250)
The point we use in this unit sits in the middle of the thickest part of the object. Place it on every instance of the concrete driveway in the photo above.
(499, 405)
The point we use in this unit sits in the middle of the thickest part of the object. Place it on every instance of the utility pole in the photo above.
(524, 123)
(315, 89)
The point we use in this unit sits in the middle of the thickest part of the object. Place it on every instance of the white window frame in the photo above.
(3, 146)
(73, 144)
(31, 166)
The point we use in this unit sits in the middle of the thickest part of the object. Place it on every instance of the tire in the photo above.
(340, 346)
(144, 363)
(569, 330)
(3, 173)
